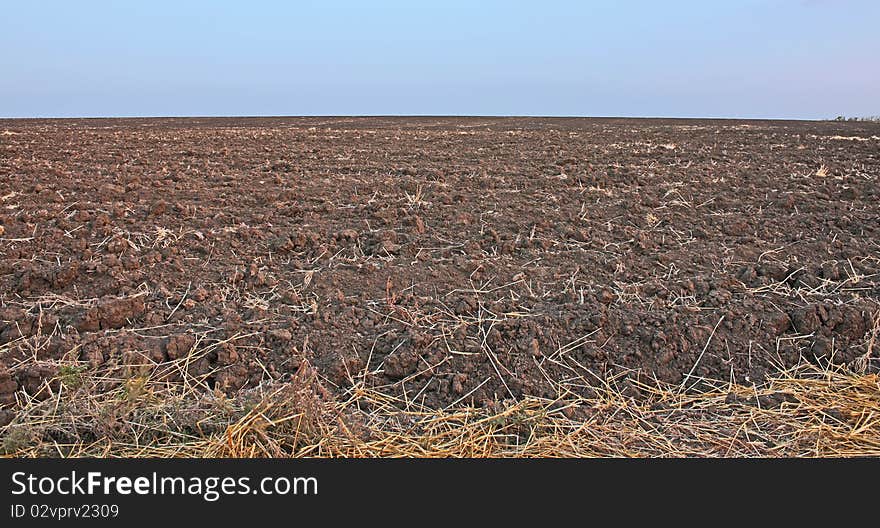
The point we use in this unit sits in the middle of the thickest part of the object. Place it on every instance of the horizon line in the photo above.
(446, 116)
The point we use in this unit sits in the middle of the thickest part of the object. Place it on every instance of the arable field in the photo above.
(439, 287)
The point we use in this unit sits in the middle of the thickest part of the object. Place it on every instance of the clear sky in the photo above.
(745, 58)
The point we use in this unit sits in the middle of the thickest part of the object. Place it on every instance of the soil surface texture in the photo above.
(443, 260)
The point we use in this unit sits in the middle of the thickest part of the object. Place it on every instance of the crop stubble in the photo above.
(439, 261)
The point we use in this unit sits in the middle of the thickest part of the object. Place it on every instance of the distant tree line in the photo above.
(872, 119)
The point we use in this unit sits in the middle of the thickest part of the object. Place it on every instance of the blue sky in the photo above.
(748, 58)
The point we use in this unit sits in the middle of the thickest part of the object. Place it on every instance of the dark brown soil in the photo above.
(446, 259)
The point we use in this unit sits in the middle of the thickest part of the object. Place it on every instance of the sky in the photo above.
(800, 59)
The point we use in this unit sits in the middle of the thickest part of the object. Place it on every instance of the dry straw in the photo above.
(805, 412)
